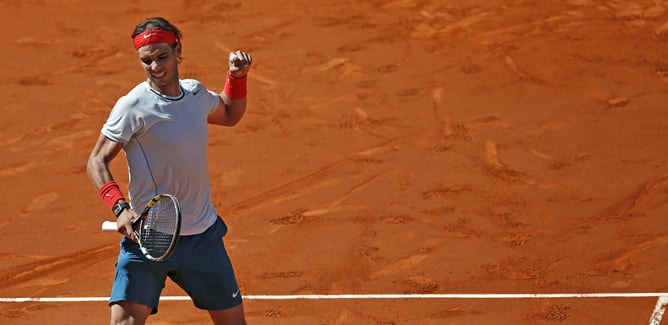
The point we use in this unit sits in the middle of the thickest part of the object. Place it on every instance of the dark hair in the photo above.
(161, 24)
(155, 23)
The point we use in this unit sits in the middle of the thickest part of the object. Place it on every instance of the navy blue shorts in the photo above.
(200, 265)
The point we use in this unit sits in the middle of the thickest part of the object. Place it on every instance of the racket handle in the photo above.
(109, 226)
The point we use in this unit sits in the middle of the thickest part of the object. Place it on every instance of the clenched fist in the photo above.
(240, 63)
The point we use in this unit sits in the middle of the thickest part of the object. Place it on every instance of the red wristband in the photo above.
(235, 88)
(110, 193)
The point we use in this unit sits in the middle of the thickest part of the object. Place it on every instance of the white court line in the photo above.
(655, 319)
(663, 297)
(658, 311)
(464, 296)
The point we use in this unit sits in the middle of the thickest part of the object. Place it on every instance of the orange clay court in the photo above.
(408, 147)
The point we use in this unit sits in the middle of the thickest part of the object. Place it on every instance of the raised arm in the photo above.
(233, 97)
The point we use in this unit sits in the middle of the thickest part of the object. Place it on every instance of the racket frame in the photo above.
(137, 223)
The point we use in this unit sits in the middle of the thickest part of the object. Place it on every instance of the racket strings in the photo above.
(158, 229)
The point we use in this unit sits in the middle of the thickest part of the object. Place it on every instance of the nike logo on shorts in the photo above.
(235, 294)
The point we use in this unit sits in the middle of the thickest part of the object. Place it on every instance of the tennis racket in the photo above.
(157, 228)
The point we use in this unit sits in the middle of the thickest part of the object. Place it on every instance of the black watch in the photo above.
(119, 207)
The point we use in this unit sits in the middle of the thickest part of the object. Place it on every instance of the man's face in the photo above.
(160, 62)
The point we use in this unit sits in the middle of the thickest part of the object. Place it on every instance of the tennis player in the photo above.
(161, 125)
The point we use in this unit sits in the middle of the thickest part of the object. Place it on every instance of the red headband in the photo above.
(155, 36)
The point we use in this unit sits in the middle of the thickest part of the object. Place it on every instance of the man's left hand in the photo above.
(240, 63)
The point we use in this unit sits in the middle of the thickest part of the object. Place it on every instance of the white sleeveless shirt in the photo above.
(165, 141)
